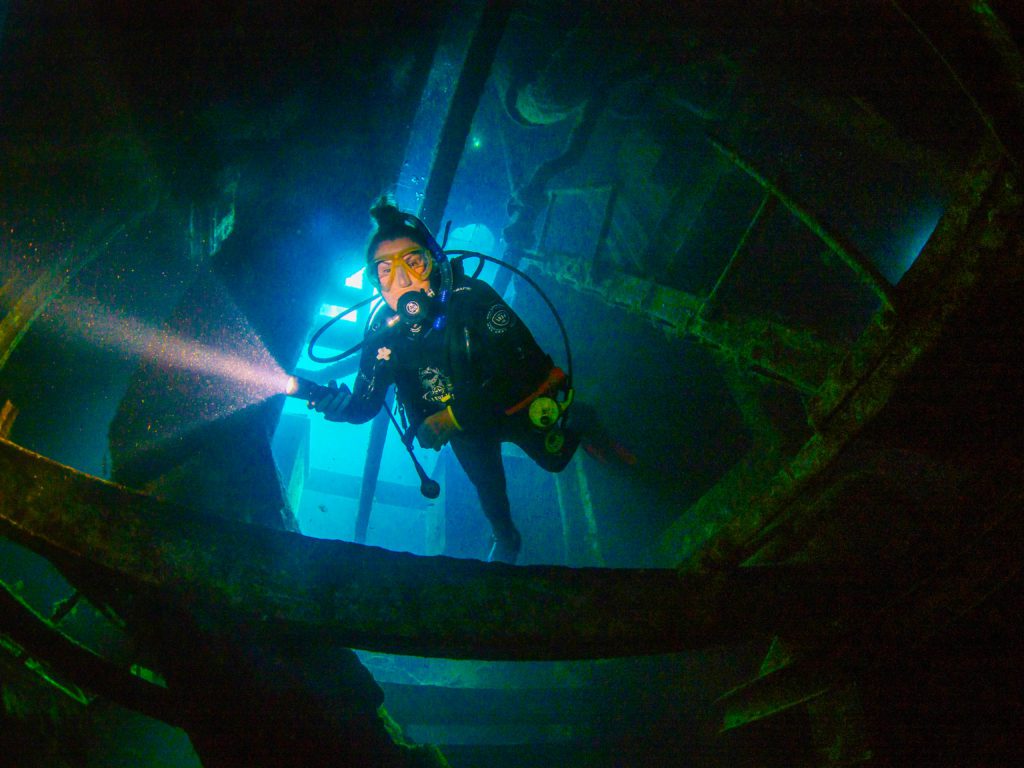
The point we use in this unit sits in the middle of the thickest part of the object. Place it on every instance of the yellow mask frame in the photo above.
(416, 262)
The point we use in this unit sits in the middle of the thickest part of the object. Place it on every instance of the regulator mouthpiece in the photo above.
(414, 307)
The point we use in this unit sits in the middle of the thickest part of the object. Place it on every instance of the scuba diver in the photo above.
(466, 369)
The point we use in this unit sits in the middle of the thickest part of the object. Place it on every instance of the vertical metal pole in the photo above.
(590, 534)
(472, 80)
(371, 469)
(562, 494)
(450, 147)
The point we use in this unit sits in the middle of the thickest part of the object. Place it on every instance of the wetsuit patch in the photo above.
(499, 319)
(437, 388)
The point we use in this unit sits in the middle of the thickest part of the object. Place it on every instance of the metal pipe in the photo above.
(857, 262)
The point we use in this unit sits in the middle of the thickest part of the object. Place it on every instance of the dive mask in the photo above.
(416, 262)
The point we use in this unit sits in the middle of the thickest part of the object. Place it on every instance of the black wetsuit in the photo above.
(484, 362)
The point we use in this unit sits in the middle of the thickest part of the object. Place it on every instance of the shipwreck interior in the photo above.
(785, 244)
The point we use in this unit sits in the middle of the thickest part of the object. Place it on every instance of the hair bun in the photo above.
(386, 213)
(393, 224)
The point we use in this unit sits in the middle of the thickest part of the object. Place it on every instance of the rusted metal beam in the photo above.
(856, 261)
(8, 413)
(794, 357)
(775, 692)
(41, 639)
(968, 245)
(938, 599)
(764, 210)
(945, 277)
(284, 585)
(996, 93)
(26, 308)
(371, 468)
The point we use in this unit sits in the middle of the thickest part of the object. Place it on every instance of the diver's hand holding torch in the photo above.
(329, 400)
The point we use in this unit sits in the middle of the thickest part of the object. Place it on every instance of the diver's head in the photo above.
(398, 258)
(398, 267)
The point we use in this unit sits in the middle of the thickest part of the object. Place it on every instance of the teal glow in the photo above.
(355, 280)
(916, 240)
(333, 310)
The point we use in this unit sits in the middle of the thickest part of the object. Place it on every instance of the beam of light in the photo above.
(181, 382)
(243, 363)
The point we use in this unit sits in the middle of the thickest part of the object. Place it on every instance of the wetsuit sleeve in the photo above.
(372, 382)
(499, 362)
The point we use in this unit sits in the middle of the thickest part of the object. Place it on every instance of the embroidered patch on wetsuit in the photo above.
(437, 388)
(499, 319)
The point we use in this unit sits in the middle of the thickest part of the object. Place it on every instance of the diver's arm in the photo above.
(366, 398)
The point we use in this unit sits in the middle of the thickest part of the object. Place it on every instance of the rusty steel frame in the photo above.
(283, 585)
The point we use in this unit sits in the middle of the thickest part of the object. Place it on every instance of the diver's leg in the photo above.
(481, 459)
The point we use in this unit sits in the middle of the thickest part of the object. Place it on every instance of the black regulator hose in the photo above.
(483, 257)
(304, 389)
(323, 329)
(429, 488)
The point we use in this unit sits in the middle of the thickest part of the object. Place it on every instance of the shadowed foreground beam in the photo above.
(38, 638)
(281, 584)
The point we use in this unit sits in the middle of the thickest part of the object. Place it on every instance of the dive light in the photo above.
(304, 389)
